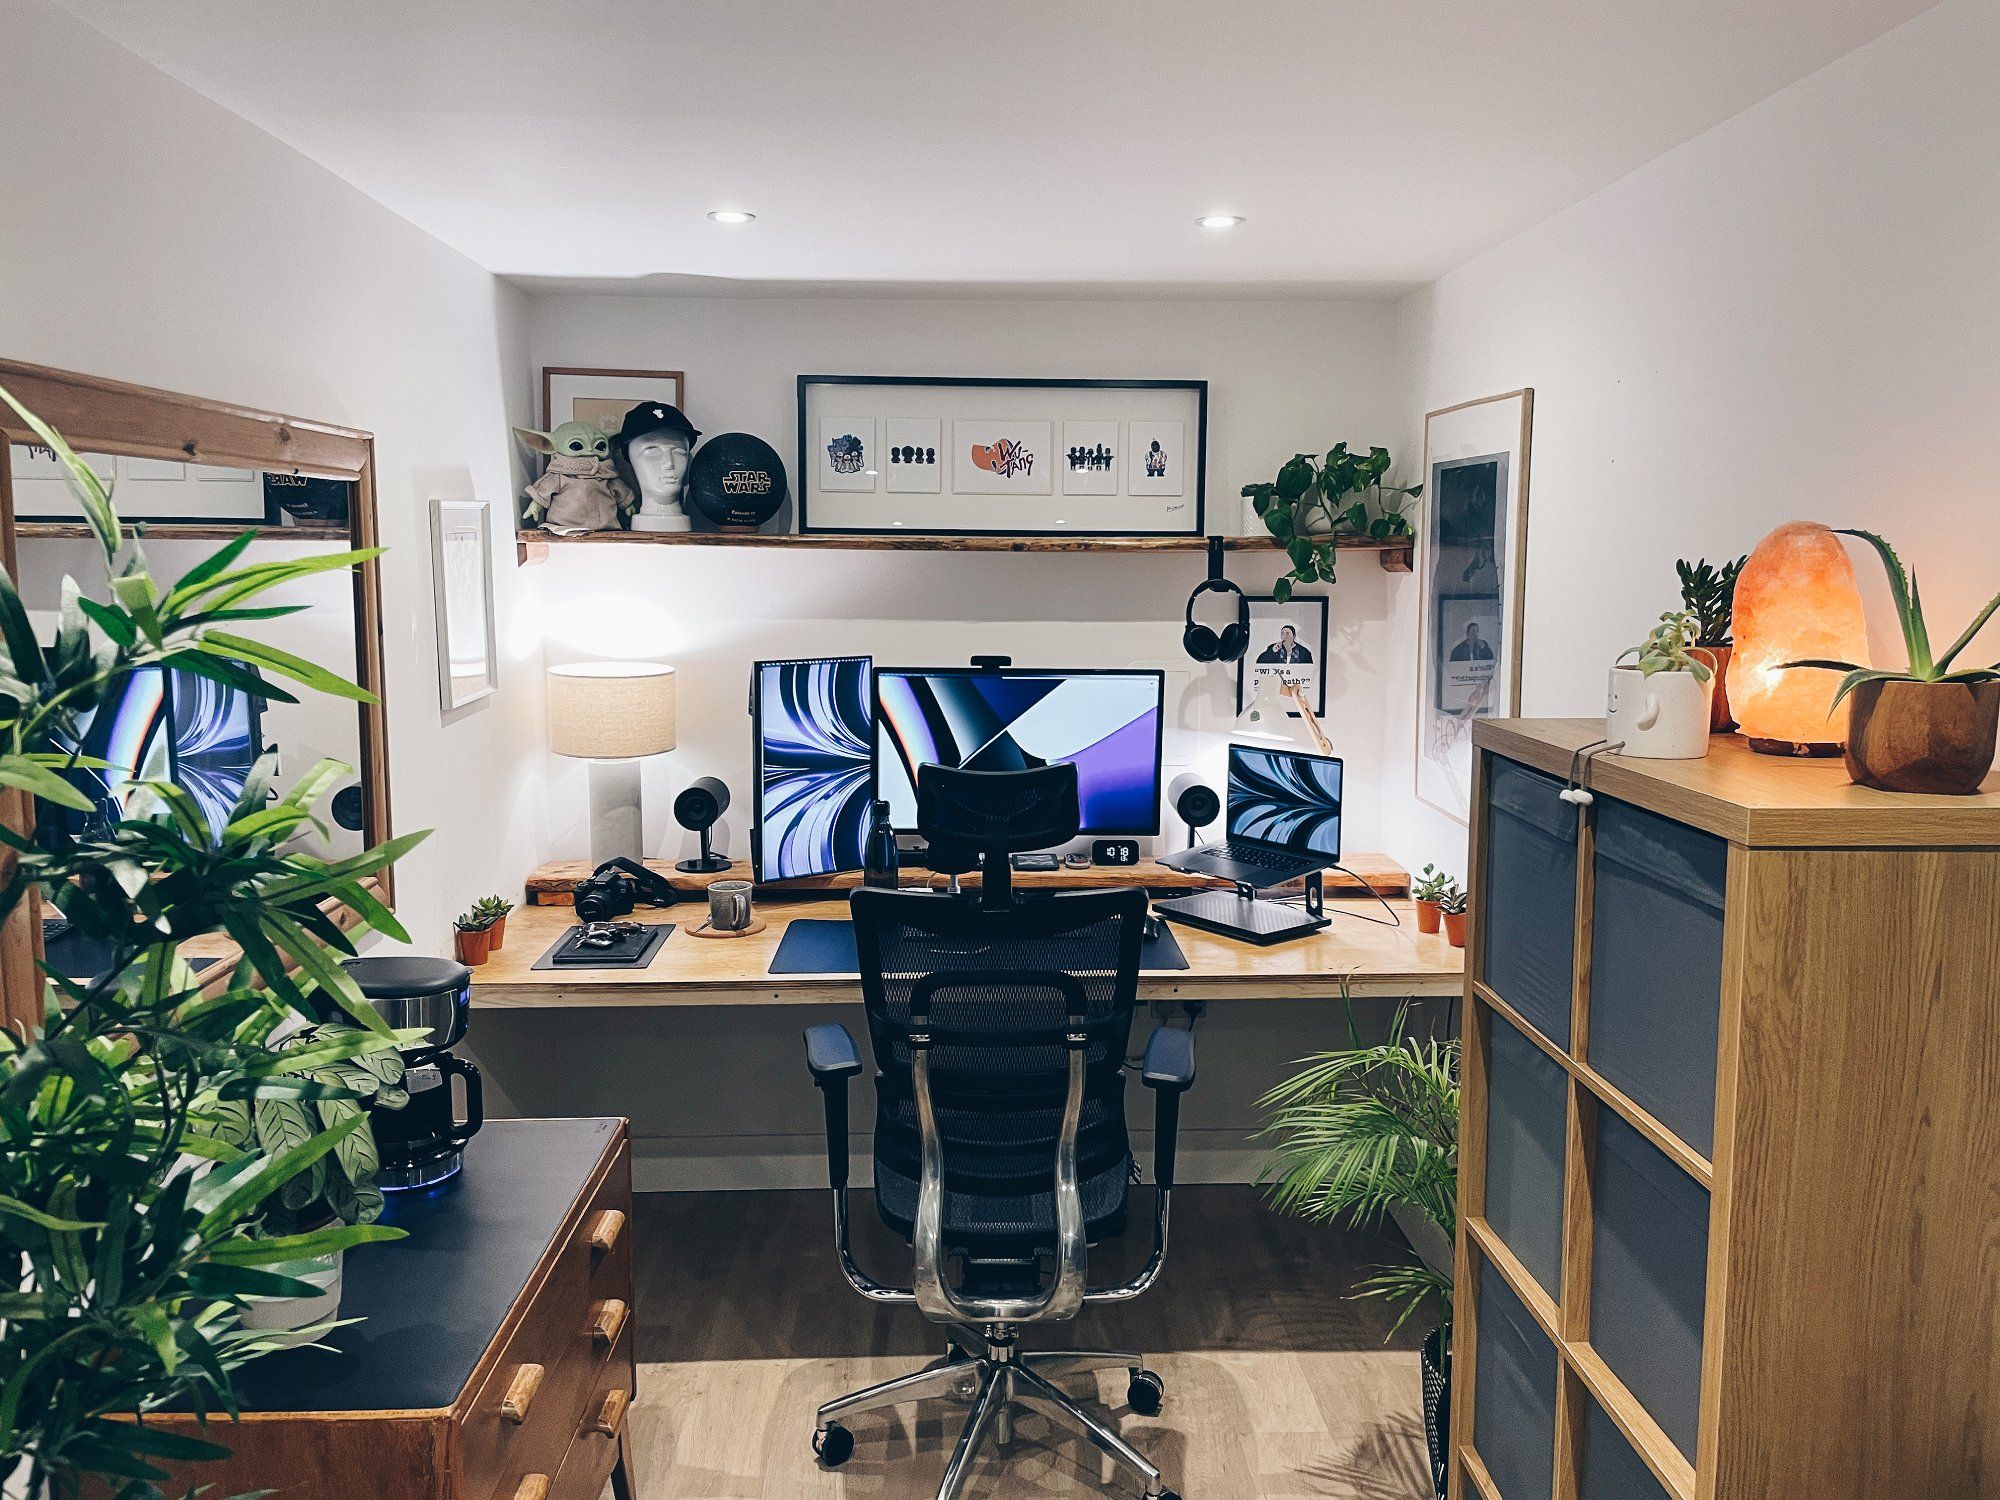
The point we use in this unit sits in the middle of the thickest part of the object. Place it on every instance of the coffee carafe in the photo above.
(422, 1145)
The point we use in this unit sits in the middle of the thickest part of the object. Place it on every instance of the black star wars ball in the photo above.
(736, 481)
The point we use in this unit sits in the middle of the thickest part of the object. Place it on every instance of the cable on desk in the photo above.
(1394, 919)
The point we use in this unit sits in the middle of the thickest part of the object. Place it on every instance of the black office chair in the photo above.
(999, 1033)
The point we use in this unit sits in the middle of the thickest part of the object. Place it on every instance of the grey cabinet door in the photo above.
(1528, 904)
(1611, 1469)
(1527, 1112)
(1513, 1394)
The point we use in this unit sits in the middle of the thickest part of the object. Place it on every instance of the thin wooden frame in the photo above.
(591, 371)
(97, 414)
(448, 695)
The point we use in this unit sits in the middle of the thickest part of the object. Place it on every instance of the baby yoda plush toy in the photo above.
(580, 491)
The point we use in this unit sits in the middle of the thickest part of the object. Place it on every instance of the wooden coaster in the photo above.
(703, 930)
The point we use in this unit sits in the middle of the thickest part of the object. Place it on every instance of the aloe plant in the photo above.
(488, 910)
(1925, 665)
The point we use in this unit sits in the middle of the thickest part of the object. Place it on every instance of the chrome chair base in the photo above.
(986, 1367)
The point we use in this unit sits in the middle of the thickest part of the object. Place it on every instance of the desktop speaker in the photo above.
(696, 809)
(1123, 852)
(349, 810)
(1195, 803)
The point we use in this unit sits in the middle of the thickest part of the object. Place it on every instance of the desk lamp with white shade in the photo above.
(611, 713)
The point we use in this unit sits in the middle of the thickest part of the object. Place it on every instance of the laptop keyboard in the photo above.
(1263, 859)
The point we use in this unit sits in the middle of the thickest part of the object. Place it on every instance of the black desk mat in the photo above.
(823, 945)
(433, 1302)
(640, 953)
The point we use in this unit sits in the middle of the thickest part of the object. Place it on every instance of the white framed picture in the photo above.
(462, 581)
(1156, 461)
(847, 458)
(1000, 456)
(913, 452)
(1090, 458)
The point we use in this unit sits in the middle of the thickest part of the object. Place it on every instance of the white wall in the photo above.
(152, 236)
(1794, 315)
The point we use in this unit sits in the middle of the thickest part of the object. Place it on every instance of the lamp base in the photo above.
(1797, 749)
(616, 827)
(706, 864)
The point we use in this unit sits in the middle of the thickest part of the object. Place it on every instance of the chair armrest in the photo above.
(1169, 1060)
(1169, 1073)
(832, 1059)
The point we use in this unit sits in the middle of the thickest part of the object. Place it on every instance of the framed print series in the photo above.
(947, 456)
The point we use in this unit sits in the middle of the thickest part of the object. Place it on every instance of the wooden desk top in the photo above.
(1375, 960)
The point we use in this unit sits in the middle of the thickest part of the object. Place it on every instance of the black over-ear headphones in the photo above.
(1232, 640)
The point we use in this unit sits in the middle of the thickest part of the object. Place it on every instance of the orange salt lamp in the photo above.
(1795, 598)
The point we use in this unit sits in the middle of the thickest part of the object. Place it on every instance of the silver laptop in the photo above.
(1282, 819)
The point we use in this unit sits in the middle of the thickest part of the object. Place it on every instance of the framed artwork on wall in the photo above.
(462, 583)
(573, 393)
(948, 456)
(1472, 565)
(1288, 642)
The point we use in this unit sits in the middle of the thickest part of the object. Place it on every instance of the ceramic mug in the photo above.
(729, 905)
(1661, 717)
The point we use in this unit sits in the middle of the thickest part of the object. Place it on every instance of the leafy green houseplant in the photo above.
(1659, 708)
(472, 934)
(1452, 908)
(1314, 502)
(1362, 1130)
(133, 1230)
(1931, 726)
(1709, 594)
(494, 910)
(1430, 891)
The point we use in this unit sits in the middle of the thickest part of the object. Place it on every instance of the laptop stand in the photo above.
(1239, 914)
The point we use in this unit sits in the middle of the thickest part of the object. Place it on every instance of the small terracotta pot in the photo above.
(1720, 720)
(499, 931)
(1454, 928)
(1923, 736)
(1427, 915)
(472, 945)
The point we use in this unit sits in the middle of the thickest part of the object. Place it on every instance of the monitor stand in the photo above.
(1241, 915)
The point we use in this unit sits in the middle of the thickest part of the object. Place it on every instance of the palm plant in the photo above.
(126, 1219)
(1366, 1128)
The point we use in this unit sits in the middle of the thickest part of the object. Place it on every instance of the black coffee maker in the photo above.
(422, 1145)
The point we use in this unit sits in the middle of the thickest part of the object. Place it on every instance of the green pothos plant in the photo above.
(1314, 502)
(129, 1223)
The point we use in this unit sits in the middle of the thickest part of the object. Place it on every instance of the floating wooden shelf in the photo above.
(1396, 553)
(221, 531)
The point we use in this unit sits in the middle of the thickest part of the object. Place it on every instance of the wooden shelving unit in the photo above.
(1396, 555)
(1728, 1146)
(189, 531)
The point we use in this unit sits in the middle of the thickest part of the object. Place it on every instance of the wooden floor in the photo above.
(1278, 1384)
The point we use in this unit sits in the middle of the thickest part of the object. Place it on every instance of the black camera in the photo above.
(616, 886)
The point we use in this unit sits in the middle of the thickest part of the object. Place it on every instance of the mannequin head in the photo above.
(659, 463)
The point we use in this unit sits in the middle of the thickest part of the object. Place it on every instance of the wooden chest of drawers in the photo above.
(496, 1357)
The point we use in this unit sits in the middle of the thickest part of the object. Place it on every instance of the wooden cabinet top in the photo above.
(1752, 799)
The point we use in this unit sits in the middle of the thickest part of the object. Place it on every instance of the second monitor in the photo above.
(1108, 723)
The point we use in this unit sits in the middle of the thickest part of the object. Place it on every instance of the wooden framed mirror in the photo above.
(191, 474)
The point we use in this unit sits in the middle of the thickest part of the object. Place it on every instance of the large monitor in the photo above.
(1285, 797)
(161, 724)
(1107, 722)
(810, 737)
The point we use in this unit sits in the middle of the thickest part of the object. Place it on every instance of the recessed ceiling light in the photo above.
(1209, 221)
(730, 216)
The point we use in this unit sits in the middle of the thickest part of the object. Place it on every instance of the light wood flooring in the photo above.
(1279, 1385)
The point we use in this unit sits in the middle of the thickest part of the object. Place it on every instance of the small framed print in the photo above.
(1156, 459)
(574, 393)
(1288, 642)
(914, 449)
(998, 456)
(847, 460)
(1090, 458)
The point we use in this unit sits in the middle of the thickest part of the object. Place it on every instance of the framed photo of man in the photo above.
(1287, 642)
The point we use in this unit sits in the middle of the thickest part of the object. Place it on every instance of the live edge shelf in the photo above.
(1395, 553)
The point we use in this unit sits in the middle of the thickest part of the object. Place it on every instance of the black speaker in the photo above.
(1123, 852)
(1195, 803)
(698, 806)
(348, 808)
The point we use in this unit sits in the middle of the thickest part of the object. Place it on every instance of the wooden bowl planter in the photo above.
(1936, 737)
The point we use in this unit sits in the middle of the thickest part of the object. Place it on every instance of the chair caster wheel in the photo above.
(834, 1445)
(1144, 1393)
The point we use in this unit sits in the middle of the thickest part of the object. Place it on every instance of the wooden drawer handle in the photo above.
(521, 1394)
(607, 1319)
(611, 1415)
(604, 1231)
(532, 1487)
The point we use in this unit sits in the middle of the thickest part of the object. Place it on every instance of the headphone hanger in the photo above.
(1230, 642)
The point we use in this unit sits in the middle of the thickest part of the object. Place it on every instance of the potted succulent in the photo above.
(472, 935)
(1430, 891)
(1658, 707)
(1709, 594)
(1930, 727)
(1363, 1132)
(1313, 502)
(1452, 909)
(495, 908)
(338, 1085)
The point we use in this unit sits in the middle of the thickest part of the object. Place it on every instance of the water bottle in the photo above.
(878, 856)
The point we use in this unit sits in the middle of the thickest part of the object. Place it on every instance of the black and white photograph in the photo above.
(1465, 651)
(1287, 643)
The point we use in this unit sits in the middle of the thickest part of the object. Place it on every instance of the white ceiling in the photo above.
(1371, 144)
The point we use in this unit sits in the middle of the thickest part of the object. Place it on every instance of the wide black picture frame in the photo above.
(807, 471)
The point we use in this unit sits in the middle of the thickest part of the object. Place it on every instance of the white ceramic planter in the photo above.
(288, 1318)
(1661, 717)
